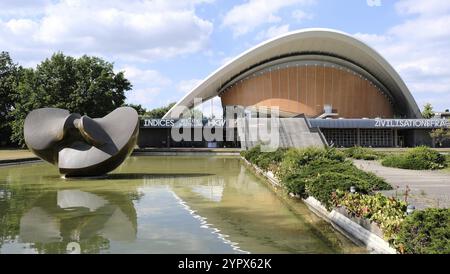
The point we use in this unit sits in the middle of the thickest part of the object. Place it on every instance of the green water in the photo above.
(156, 205)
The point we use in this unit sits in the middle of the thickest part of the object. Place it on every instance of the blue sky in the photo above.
(167, 47)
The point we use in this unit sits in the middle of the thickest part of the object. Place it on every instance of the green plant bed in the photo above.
(362, 153)
(387, 213)
(315, 172)
(297, 179)
(426, 232)
(419, 158)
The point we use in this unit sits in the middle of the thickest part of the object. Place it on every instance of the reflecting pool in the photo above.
(154, 204)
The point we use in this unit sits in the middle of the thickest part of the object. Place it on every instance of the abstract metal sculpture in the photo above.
(80, 145)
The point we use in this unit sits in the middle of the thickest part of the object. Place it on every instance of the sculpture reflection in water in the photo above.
(92, 220)
(80, 145)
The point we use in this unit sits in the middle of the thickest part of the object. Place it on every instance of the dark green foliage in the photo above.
(9, 79)
(426, 232)
(428, 112)
(295, 159)
(315, 172)
(361, 153)
(251, 154)
(87, 85)
(158, 113)
(323, 186)
(264, 160)
(320, 172)
(419, 158)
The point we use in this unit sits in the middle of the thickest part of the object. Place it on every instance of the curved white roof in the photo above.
(318, 41)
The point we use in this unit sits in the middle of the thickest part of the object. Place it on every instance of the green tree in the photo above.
(9, 72)
(440, 135)
(158, 113)
(427, 112)
(87, 85)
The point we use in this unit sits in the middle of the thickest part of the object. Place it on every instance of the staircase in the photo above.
(292, 132)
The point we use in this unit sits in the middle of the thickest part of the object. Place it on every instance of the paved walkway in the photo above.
(428, 188)
(11, 154)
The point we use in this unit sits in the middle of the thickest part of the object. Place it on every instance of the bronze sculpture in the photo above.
(80, 145)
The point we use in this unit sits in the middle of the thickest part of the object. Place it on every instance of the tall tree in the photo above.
(87, 85)
(8, 82)
(158, 113)
(440, 135)
(427, 112)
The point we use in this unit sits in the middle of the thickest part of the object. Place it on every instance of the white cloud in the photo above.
(417, 49)
(273, 31)
(246, 17)
(128, 30)
(300, 15)
(428, 7)
(186, 86)
(145, 97)
(373, 3)
(147, 85)
(146, 77)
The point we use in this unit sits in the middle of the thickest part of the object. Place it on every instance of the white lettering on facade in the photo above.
(412, 123)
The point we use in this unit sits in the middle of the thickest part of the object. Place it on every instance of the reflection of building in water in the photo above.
(75, 215)
(213, 193)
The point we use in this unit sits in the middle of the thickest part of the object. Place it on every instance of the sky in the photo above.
(166, 47)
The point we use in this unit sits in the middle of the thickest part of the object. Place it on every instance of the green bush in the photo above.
(315, 172)
(323, 186)
(388, 213)
(426, 232)
(419, 158)
(251, 154)
(295, 184)
(295, 159)
(296, 181)
(264, 160)
(361, 153)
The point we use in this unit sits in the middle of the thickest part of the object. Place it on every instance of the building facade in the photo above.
(330, 82)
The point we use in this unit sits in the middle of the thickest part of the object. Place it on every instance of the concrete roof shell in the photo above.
(318, 41)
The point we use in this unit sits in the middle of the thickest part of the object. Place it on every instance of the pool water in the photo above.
(156, 204)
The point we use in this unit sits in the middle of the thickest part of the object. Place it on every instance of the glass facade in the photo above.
(359, 137)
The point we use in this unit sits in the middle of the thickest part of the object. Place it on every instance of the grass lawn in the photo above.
(8, 154)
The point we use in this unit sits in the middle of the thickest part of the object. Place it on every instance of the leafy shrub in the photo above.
(296, 181)
(419, 158)
(323, 186)
(294, 159)
(426, 232)
(264, 160)
(251, 154)
(388, 213)
(361, 153)
(295, 184)
(316, 172)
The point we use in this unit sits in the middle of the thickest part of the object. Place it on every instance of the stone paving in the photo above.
(429, 188)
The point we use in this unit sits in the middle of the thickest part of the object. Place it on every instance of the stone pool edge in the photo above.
(350, 229)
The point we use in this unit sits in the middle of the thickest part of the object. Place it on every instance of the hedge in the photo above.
(362, 153)
(419, 158)
(426, 232)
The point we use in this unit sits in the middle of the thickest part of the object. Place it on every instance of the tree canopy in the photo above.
(9, 73)
(158, 113)
(85, 85)
(427, 112)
